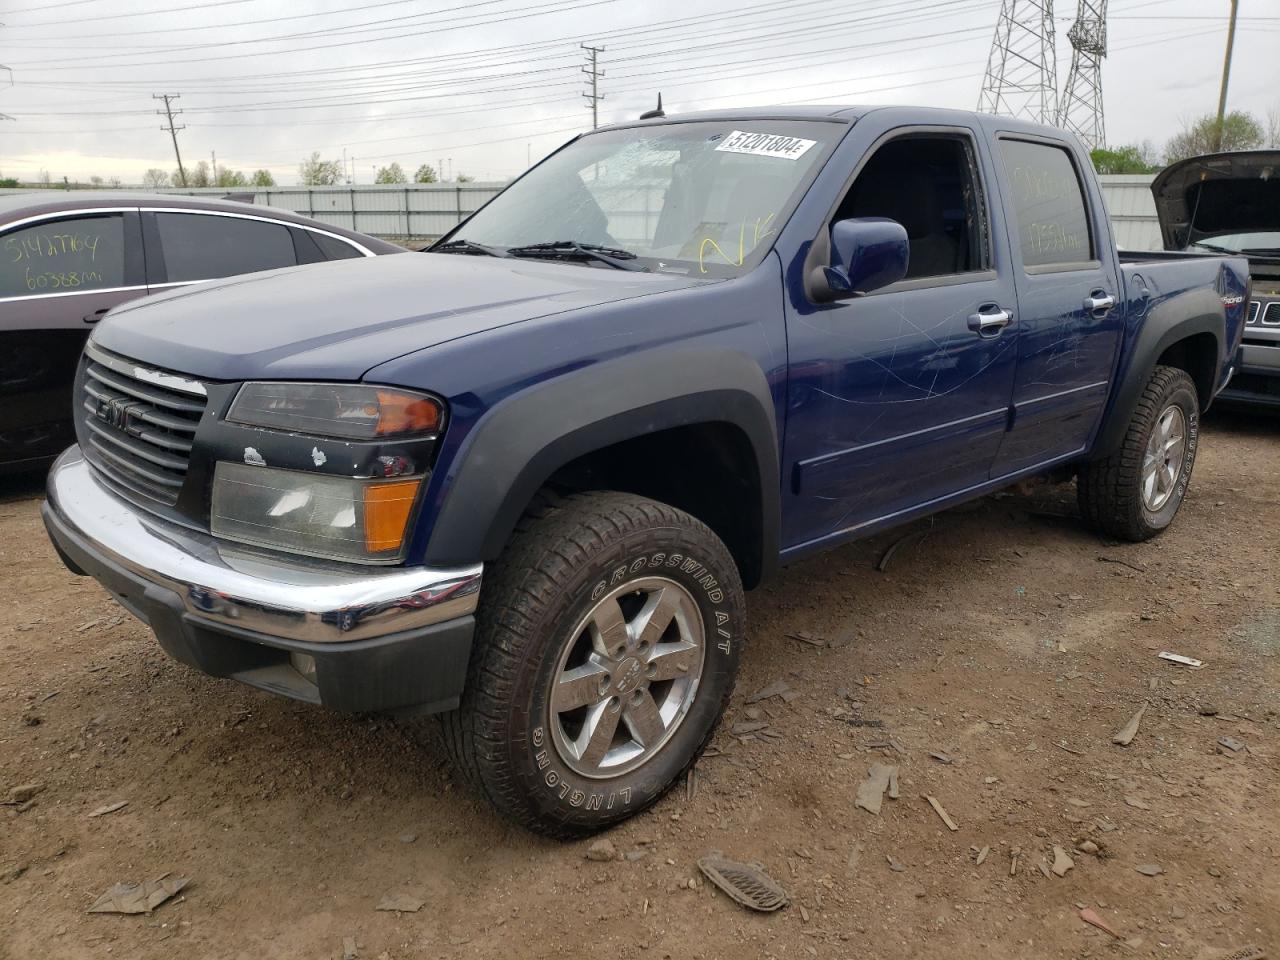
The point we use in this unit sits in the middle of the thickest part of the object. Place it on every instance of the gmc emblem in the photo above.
(115, 412)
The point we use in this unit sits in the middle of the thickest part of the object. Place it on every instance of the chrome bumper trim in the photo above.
(223, 583)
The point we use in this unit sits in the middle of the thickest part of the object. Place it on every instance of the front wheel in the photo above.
(1134, 493)
(607, 643)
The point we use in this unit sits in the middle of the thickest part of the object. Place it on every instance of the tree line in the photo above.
(315, 172)
(1238, 130)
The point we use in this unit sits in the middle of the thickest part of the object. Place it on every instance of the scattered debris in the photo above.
(779, 688)
(1232, 744)
(748, 726)
(1137, 804)
(349, 948)
(910, 537)
(139, 897)
(1149, 869)
(870, 794)
(1123, 563)
(1061, 861)
(1077, 802)
(745, 883)
(691, 784)
(601, 851)
(937, 808)
(1014, 854)
(1247, 953)
(940, 756)
(1088, 846)
(808, 638)
(982, 856)
(861, 722)
(1130, 730)
(1207, 710)
(1179, 659)
(1062, 746)
(1043, 868)
(23, 793)
(1092, 918)
(400, 903)
(407, 837)
(13, 872)
(109, 808)
(894, 865)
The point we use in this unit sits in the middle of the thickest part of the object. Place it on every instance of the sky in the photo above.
(483, 88)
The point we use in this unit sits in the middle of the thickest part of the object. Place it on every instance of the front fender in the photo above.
(522, 441)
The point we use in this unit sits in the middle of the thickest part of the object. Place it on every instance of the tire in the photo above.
(1134, 493)
(565, 606)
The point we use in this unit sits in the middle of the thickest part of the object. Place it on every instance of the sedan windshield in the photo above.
(700, 198)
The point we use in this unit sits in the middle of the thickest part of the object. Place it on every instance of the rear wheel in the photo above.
(1135, 493)
(607, 643)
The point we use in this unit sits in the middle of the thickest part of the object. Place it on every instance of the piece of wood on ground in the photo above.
(870, 793)
(1125, 735)
(1090, 917)
(138, 897)
(937, 808)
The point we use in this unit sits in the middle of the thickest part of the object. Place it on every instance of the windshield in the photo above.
(703, 198)
(1267, 241)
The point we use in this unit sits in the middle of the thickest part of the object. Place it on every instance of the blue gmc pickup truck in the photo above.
(523, 479)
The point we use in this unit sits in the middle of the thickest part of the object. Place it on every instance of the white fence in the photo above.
(423, 211)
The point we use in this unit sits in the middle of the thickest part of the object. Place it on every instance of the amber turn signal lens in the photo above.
(401, 413)
(386, 514)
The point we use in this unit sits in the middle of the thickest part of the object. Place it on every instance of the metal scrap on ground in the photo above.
(1130, 730)
(745, 883)
(139, 897)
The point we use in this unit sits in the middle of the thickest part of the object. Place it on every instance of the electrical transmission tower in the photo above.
(1022, 71)
(594, 73)
(168, 112)
(1080, 110)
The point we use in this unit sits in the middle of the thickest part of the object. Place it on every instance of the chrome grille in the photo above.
(1271, 316)
(1253, 312)
(139, 424)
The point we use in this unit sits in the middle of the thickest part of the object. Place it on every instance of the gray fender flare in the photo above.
(524, 439)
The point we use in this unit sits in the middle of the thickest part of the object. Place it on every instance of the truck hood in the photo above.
(334, 321)
(1217, 194)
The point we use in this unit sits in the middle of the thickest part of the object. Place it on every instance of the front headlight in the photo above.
(338, 518)
(348, 411)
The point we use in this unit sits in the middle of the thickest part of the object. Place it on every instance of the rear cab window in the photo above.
(65, 255)
(1051, 213)
(201, 246)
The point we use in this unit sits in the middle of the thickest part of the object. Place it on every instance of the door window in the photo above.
(204, 247)
(1049, 204)
(71, 255)
(928, 184)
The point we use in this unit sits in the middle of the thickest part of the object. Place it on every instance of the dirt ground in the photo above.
(992, 662)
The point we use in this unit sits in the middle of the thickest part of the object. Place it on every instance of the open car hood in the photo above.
(1217, 194)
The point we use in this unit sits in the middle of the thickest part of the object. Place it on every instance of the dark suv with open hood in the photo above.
(1230, 203)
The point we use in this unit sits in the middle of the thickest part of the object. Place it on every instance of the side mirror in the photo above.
(865, 254)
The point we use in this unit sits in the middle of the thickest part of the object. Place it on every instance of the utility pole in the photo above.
(213, 171)
(168, 112)
(593, 71)
(1226, 76)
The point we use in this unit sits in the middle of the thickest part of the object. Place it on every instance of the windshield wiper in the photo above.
(1214, 248)
(572, 249)
(470, 246)
(1264, 251)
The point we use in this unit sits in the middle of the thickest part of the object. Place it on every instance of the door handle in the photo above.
(1099, 302)
(990, 320)
(95, 316)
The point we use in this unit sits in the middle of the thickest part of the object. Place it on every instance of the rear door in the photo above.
(59, 273)
(1068, 301)
(190, 246)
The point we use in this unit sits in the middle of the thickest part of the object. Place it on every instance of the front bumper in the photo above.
(381, 638)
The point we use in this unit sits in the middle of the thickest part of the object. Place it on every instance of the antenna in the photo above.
(1081, 108)
(656, 112)
(1022, 71)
